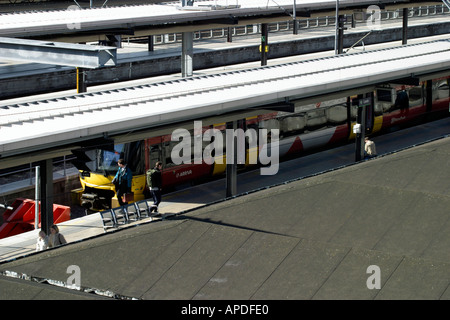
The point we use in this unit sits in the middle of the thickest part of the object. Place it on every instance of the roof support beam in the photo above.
(187, 54)
(46, 190)
(405, 26)
(57, 53)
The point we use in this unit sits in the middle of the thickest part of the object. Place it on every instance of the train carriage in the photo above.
(308, 127)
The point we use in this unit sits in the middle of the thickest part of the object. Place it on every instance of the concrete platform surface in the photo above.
(379, 229)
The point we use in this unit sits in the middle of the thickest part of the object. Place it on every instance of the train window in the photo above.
(155, 154)
(336, 114)
(210, 143)
(107, 160)
(132, 153)
(251, 140)
(401, 101)
(292, 125)
(415, 94)
(354, 103)
(384, 95)
(316, 119)
(443, 89)
(168, 146)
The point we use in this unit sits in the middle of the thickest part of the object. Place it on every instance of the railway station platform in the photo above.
(327, 228)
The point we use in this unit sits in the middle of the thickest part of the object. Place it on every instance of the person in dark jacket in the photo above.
(154, 183)
(122, 180)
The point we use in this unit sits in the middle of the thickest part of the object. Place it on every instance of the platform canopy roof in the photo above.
(171, 17)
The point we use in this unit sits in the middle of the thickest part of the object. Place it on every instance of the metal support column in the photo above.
(294, 18)
(429, 95)
(341, 34)
(81, 80)
(46, 195)
(336, 23)
(231, 167)
(37, 197)
(264, 43)
(229, 34)
(151, 43)
(187, 53)
(364, 102)
(405, 26)
(359, 146)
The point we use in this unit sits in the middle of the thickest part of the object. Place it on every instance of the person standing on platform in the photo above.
(42, 241)
(369, 148)
(122, 180)
(55, 239)
(154, 183)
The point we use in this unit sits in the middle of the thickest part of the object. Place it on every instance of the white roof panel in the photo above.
(153, 14)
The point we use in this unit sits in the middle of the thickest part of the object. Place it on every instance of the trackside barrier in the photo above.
(21, 217)
(120, 216)
(132, 212)
(108, 219)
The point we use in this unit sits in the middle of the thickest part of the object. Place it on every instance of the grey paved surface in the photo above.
(310, 239)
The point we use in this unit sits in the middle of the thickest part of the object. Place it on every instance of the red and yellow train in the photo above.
(310, 126)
